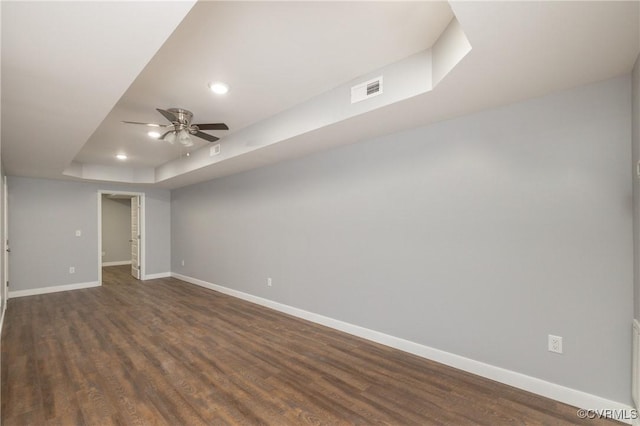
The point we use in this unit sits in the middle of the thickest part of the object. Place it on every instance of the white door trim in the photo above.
(5, 245)
(134, 231)
(143, 234)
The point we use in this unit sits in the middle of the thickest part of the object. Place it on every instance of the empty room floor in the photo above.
(167, 352)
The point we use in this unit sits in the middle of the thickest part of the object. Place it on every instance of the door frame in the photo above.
(142, 259)
(5, 244)
(136, 270)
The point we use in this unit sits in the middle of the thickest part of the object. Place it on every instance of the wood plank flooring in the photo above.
(167, 352)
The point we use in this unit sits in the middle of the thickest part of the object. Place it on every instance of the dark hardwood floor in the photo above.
(167, 352)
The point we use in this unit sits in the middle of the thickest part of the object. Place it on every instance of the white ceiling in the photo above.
(65, 70)
(273, 55)
(64, 66)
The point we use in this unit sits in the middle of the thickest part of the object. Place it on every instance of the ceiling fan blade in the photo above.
(146, 124)
(168, 115)
(213, 126)
(205, 136)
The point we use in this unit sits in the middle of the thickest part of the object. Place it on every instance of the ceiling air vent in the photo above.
(366, 90)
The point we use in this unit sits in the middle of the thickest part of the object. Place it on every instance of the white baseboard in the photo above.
(531, 384)
(156, 276)
(122, 262)
(54, 289)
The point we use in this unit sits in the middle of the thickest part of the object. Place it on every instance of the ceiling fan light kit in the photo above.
(184, 139)
(181, 129)
(171, 138)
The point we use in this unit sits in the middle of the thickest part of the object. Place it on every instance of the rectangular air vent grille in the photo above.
(366, 90)
(373, 87)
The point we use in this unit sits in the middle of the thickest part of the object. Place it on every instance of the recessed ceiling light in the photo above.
(154, 135)
(219, 88)
(121, 157)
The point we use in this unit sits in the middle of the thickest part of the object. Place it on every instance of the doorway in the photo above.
(121, 231)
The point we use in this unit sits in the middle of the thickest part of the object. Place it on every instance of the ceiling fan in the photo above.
(181, 127)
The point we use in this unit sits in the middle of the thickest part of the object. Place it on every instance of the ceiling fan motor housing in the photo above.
(183, 116)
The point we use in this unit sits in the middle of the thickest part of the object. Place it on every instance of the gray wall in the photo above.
(116, 229)
(636, 184)
(478, 236)
(44, 215)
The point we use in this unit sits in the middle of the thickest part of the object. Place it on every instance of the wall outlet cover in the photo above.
(555, 344)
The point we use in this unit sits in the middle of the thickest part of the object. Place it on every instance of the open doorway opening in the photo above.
(121, 231)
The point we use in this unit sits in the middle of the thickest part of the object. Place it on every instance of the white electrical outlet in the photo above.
(72, 270)
(182, 263)
(78, 233)
(269, 282)
(555, 344)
